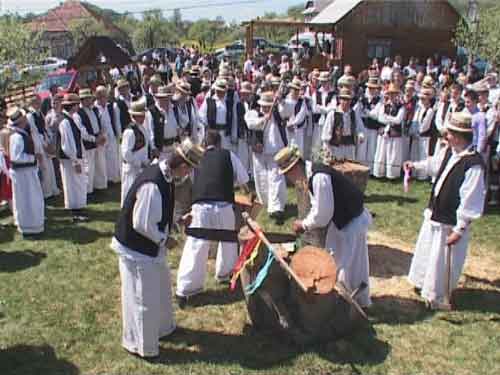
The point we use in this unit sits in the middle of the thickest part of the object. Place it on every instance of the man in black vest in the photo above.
(457, 198)
(213, 197)
(27, 198)
(336, 203)
(140, 241)
(87, 119)
(185, 112)
(122, 105)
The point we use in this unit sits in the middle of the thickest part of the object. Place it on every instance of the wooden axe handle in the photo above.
(255, 227)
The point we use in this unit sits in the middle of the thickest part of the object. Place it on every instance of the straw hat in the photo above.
(373, 83)
(345, 93)
(480, 87)
(85, 94)
(266, 99)
(275, 81)
(393, 89)
(220, 85)
(190, 152)
(295, 84)
(101, 91)
(138, 107)
(165, 91)
(286, 158)
(70, 98)
(14, 114)
(122, 83)
(346, 81)
(183, 87)
(428, 81)
(324, 76)
(460, 122)
(426, 93)
(246, 87)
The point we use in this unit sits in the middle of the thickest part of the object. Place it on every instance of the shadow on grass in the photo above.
(479, 300)
(474, 279)
(391, 309)
(74, 233)
(256, 351)
(13, 261)
(34, 360)
(216, 297)
(387, 261)
(388, 198)
(7, 233)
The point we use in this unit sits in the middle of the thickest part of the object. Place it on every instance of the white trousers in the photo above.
(193, 265)
(388, 157)
(365, 152)
(101, 175)
(147, 313)
(27, 200)
(242, 150)
(129, 174)
(49, 183)
(113, 161)
(296, 138)
(419, 152)
(316, 139)
(89, 169)
(269, 184)
(427, 270)
(74, 186)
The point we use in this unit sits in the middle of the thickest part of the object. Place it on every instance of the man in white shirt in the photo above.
(457, 198)
(140, 240)
(293, 111)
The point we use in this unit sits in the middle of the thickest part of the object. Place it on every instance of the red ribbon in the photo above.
(247, 251)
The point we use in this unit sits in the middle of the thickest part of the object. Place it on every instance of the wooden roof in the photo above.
(89, 55)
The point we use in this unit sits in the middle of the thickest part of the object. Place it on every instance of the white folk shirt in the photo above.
(68, 144)
(220, 105)
(38, 139)
(421, 124)
(183, 110)
(322, 202)
(170, 129)
(134, 159)
(287, 112)
(389, 120)
(323, 108)
(147, 213)
(16, 148)
(93, 122)
(440, 118)
(116, 111)
(272, 136)
(106, 123)
(472, 191)
(346, 127)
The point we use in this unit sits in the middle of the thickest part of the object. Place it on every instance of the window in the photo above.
(379, 48)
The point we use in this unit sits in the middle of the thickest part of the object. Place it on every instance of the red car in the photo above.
(67, 80)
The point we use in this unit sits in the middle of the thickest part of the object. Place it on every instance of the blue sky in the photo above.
(246, 10)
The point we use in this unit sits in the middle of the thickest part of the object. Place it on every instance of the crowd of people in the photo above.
(221, 126)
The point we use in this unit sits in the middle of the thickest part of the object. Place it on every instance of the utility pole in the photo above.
(473, 16)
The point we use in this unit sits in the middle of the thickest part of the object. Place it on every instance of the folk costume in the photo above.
(421, 131)
(186, 113)
(112, 133)
(40, 136)
(343, 130)
(27, 196)
(457, 198)
(323, 102)
(70, 151)
(213, 198)
(267, 138)
(369, 108)
(294, 115)
(134, 149)
(122, 105)
(441, 109)
(242, 149)
(336, 203)
(389, 154)
(219, 114)
(162, 124)
(140, 240)
(87, 120)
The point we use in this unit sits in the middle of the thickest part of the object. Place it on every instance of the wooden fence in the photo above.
(19, 93)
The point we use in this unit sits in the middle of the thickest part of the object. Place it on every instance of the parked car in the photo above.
(67, 80)
(309, 39)
(234, 51)
(261, 43)
(169, 52)
(47, 65)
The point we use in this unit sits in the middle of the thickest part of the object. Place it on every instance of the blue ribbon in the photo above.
(261, 276)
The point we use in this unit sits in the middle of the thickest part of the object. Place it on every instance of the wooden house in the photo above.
(384, 28)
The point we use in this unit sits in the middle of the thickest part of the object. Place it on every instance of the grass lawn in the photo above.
(60, 306)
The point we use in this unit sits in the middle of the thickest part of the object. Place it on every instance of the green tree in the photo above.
(206, 33)
(154, 31)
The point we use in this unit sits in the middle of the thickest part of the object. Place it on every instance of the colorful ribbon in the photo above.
(249, 250)
(406, 180)
(261, 276)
